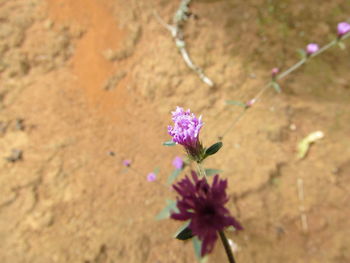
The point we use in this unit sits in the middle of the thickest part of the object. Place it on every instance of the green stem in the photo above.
(201, 171)
(236, 120)
(284, 74)
(291, 69)
(227, 247)
(301, 62)
(324, 48)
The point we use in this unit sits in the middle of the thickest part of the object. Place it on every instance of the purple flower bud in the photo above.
(274, 72)
(250, 103)
(178, 163)
(151, 177)
(311, 48)
(343, 28)
(127, 163)
(186, 131)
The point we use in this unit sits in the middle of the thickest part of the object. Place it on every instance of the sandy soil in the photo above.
(85, 84)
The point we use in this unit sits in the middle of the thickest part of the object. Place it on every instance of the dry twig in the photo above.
(181, 15)
(303, 217)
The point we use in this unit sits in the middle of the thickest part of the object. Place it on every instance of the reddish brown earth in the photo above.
(82, 78)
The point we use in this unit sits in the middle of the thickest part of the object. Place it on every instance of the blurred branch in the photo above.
(281, 76)
(179, 19)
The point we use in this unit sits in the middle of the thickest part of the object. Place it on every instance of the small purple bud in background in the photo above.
(312, 48)
(127, 163)
(178, 163)
(250, 103)
(343, 28)
(151, 177)
(274, 72)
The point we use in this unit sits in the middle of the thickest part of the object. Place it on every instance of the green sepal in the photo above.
(210, 172)
(302, 53)
(236, 103)
(341, 45)
(165, 213)
(169, 143)
(276, 86)
(184, 232)
(213, 149)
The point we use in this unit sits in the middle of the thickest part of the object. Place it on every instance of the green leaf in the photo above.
(156, 170)
(165, 213)
(186, 224)
(173, 176)
(236, 103)
(342, 45)
(213, 149)
(197, 246)
(302, 53)
(276, 86)
(169, 143)
(210, 172)
(184, 234)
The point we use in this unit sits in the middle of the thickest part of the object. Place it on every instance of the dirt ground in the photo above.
(85, 84)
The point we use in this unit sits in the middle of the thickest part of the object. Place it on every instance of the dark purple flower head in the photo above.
(311, 48)
(178, 163)
(204, 206)
(343, 28)
(186, 130)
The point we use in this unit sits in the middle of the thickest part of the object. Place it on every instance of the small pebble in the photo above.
(292, 127)
(48, 24)
(20, 125)
(15, 156)
(252, 76)
(233, 246)
(3, 127)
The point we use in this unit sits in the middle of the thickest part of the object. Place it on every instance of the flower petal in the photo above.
(208, 243)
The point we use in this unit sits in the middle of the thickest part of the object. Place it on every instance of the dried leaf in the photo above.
(304, 144)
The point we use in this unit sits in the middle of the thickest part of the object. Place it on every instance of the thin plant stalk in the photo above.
(222, 235)
(237, 119)
(201, 170)
(283, 75)
(292, 68)
(227, 247)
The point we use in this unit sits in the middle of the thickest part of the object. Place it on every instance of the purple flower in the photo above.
(127, 163)
(274, 72)
(250, 103)
(186, 131)
(151, 177)
(178, 163)
(311, 48)
(204, 206)
(343, 28)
